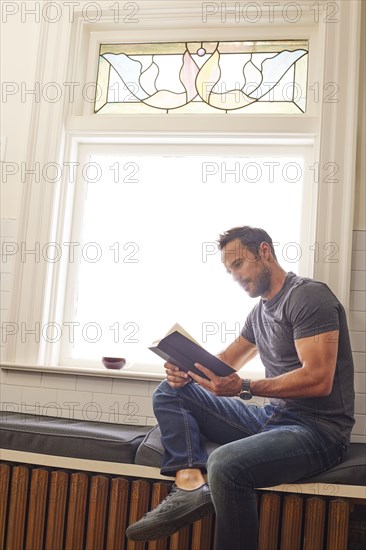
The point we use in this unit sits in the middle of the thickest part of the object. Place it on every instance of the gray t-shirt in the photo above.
(304, 308)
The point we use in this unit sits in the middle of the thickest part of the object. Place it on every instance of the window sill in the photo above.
(129, 372)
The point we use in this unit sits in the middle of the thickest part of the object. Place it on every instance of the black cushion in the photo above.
(129, 444)
(352, 471)
(72, 438)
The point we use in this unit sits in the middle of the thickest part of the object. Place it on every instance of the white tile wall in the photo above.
(57, 381)
(357, 326)
(129, 401)
(78, 397)
(358, 256)
(358, 300)
(7, 235)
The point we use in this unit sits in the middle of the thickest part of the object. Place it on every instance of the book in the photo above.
(180, 349)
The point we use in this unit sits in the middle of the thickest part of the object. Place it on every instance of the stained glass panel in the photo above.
(203, 77)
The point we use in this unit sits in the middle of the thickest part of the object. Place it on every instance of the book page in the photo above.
(178, 328)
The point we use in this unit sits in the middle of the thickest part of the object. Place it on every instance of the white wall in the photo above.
(360, 195)
(19, 46)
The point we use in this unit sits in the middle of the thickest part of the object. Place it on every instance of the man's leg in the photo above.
(186, 413)
(183, 414)
(283, 454)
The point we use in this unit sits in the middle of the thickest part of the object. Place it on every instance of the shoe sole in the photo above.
(162, 531)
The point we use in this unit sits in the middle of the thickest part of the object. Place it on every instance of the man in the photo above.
(300, 331)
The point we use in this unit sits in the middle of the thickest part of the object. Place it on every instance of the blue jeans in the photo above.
(261, 447)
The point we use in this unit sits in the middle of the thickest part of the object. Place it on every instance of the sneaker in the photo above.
(178, 509)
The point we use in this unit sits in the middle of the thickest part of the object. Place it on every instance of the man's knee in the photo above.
(217, 466)
(223, 488)
(228, 483)
(227, 465)
(162, 392)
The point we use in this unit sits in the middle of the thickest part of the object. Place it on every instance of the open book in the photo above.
(180, 349)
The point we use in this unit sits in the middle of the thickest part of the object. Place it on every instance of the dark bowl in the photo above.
(113, 362)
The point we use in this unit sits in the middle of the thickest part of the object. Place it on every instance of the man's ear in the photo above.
(264, 249)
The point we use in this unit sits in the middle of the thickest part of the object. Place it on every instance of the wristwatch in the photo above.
(245, 392)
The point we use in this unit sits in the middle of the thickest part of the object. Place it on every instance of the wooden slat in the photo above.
(269, 521)
(201, 533)
(17, 508)
(140, 492)
(180, 540)
(4, 492)
(97, 513)
(159, 492)
(338, 520)
(56, 510)
(76, 512)
(314, 524)
(21, 531)
(36, 512)
(117, 515)
(291, 523)
(214, 529)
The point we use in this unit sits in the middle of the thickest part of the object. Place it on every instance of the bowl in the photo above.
(115, 363)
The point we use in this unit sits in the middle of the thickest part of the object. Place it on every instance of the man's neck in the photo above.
(278, 277)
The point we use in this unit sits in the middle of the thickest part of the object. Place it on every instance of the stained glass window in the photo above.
(203, 77)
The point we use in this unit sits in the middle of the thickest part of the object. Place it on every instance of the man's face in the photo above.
(250, 271)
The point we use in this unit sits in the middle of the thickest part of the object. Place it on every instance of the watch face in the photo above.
(245, 395)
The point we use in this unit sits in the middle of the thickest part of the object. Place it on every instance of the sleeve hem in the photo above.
(315, 331)
(251, 340)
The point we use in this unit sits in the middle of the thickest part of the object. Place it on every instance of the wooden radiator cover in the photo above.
(54, 509)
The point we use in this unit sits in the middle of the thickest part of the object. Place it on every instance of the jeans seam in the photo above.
(187, 433)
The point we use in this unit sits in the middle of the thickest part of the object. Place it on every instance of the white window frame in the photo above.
(56, 128)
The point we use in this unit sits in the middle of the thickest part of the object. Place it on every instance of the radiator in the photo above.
(53, 509)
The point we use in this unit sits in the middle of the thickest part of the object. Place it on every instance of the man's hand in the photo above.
(219, 385)
(176, 378)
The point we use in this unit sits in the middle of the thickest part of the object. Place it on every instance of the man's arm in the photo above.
(317, 355)
(238, 353)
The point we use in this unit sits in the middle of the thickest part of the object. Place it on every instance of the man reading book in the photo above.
(299, 329)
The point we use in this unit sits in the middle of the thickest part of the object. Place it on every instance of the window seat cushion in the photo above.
(71, 438)
(129, 444)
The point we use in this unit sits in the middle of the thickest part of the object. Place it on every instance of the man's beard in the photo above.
(261, 284)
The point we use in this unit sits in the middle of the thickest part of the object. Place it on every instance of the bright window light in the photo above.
(148, 255)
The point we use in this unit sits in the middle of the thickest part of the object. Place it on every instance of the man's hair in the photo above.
(250, 237)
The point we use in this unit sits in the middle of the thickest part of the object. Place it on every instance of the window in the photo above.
(203, 77)
(144, 252)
